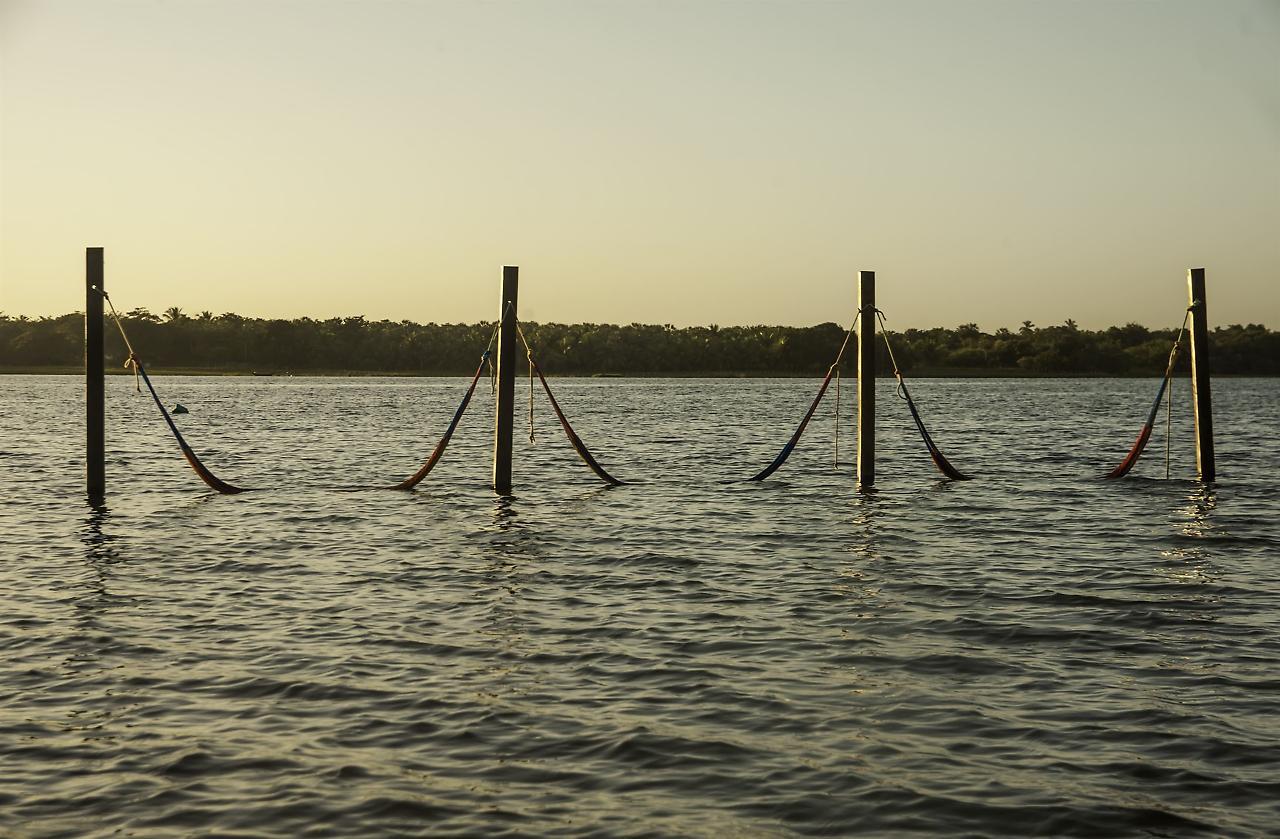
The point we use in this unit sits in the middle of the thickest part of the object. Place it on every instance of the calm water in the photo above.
(1033, 652)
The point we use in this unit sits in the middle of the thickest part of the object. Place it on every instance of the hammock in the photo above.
(207, 476)
(795, 438)
(935, 453)
(939, 460)
(416, 478)
(574, 439)
(1131, 459)
(214, 482)
(225, 488)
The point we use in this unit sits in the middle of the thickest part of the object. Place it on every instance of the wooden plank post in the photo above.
(94, 378)
(866, 379)
(504, 419)
(1200, 392)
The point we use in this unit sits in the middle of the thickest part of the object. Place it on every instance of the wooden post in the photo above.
(867, 379)
(504, 420)
(1200, 393)
(94, 378)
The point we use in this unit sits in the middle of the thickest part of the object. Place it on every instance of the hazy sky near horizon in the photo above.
(691, 162)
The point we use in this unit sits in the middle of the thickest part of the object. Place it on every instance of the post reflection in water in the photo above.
(94, 648)
(863, 524)
(100, 555)
(1194, 529)
(504, 619)
(856, 579)
(1198, 512)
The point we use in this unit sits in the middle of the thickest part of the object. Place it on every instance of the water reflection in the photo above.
(857, 579)
(504, 512)
(1194, 525)
(100, 554)
(505, 615)
(866, 513)
(91, 596)
(1196, 515)
(701, 659)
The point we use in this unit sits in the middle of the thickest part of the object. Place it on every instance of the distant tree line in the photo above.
(230, 342)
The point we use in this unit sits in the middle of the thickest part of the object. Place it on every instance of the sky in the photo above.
(657, 162)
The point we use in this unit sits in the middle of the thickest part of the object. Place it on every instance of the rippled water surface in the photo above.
(1033, 652)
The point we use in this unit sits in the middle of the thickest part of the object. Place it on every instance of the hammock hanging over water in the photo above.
(1131, 459)
(416, 478)
(935, 453)
(795, 438)
(574, 439)
(133, 361)
(219, 485)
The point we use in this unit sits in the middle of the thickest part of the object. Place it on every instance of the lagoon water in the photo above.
(1036, 651)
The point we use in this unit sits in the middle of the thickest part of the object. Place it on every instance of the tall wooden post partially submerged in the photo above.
(1200, 391)
(504, 419)
(866, 379)
(94, 378)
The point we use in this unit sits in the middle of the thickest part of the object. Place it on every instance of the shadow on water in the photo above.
(196, 502)
(584, 500)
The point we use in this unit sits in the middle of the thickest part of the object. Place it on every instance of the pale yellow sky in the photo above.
(697, 162)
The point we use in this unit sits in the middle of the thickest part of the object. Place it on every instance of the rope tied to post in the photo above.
(822, 390)
(132, 360)
(574, 439)
(140, 372)
(1131, 459)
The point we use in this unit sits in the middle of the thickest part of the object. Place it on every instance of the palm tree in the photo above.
(173, 313)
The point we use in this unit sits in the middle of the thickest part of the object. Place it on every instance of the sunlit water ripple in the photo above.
(1033, 652)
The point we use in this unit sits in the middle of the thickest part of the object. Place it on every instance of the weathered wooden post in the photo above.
(504, 420)
(94, 378)
(1200, 392)
(866, 379)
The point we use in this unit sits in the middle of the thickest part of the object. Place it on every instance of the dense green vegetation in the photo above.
(230, 342)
